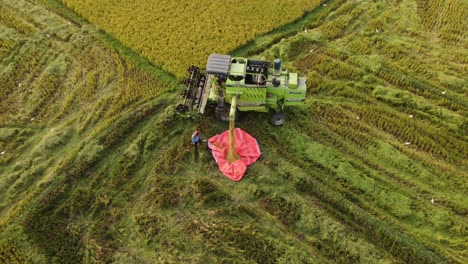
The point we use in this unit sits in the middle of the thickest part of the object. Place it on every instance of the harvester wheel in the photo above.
(222, 113)
(182, 108)
(278, 119)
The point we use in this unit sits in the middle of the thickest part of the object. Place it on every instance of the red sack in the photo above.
(246, 147)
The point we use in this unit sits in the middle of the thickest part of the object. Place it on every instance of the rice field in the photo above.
(96, 166)
(176, 34)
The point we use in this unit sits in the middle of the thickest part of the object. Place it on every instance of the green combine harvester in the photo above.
(241, 84)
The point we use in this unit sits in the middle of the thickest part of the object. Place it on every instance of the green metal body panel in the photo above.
(256, 90)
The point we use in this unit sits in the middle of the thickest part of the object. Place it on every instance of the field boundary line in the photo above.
(57, 7)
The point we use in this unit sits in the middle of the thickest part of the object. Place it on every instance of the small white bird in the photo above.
(19, 84)
(376, 31)
(410, 116)
(32, 119)
(311, 51)
(407, 143)
(47, 34)
(444, 92)
(305, 30)
(324, 5)
(357, 117)
(432, 200)
(3, 153)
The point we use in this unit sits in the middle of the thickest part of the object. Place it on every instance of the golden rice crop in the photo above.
(175, 34)
(445, 18)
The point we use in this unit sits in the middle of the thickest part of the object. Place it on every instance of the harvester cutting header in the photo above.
(241, 84)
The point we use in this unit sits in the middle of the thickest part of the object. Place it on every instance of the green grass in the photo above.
(98, 167)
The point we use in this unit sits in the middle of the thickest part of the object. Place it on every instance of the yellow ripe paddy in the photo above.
(175, 35)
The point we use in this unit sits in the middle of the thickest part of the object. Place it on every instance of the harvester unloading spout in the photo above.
(231, 153)
(234, 149)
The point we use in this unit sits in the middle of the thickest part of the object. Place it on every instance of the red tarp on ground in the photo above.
(246, 147)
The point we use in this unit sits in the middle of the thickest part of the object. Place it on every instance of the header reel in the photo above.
(192, 96)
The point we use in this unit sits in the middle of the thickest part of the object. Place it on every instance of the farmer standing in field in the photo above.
(196, 138)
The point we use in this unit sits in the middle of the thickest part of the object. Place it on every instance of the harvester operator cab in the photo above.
(248, 72)
(237, 72)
